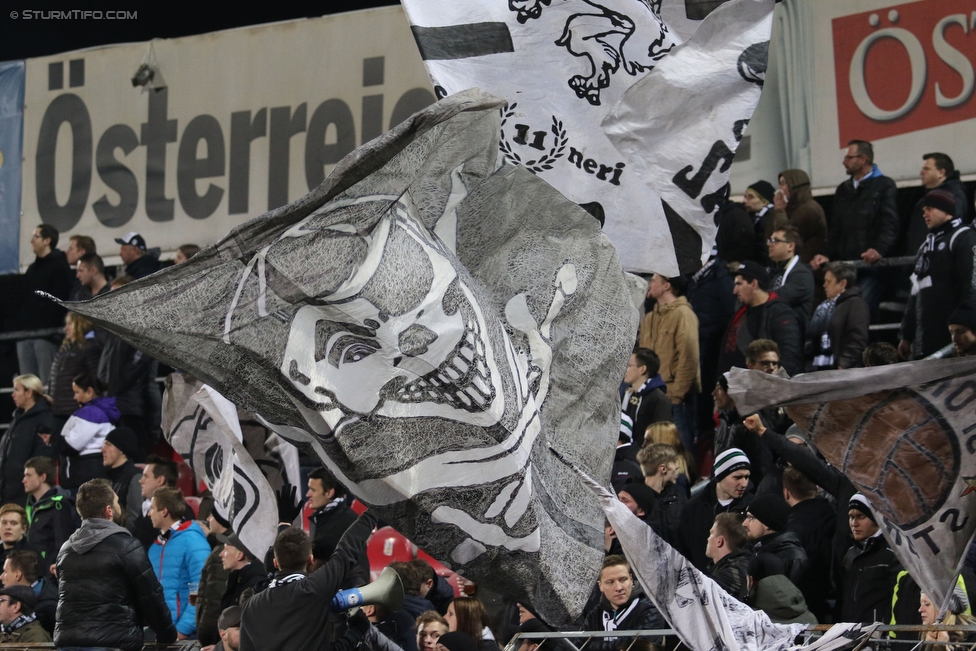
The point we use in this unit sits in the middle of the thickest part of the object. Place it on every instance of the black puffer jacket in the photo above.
(71, 360)
(19, 444)
(108, 591)
(786, 547)
(865, 217)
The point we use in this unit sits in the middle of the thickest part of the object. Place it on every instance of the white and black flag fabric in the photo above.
(705, 616)
(431, 324)
(905, 435)
(205, 429)
(631, 108)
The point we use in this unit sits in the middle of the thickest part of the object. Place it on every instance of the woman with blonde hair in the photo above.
(32, 417)
(78, 354)
(954, 615)
(667, 433)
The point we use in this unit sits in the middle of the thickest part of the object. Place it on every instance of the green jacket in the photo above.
(30, 632)
(213, 582)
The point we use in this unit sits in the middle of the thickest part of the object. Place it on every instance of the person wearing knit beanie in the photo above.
(727, 491)
(638, 498)
(940, 200)
(771, 511)
(765, 523)
(962, 329)
(764, 191)
(942, 279)
(862, 520)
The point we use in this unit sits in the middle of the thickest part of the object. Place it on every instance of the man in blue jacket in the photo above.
(177, 556)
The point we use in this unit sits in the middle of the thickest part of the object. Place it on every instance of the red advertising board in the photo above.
(905, 68)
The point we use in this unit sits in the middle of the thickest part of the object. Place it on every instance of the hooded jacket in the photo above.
(804, 214)
(19, 444)
(671, 331)
(108, 590)
(51, 520)
(177, 561)
(777, 597)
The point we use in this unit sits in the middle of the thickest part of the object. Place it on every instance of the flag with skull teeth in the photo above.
(432, 325)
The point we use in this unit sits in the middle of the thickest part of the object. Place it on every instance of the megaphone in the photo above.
(386, 591)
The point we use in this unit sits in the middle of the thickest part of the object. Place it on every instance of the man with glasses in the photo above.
(18, 624)
(791, 280)
(864, 221)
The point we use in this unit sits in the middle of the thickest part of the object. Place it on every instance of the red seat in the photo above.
(186, 481)
(358, 507)
(385, 546)
(194, 504)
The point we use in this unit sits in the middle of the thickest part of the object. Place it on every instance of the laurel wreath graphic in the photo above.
(544, 162)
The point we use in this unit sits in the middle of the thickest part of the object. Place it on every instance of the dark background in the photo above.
(23, 39)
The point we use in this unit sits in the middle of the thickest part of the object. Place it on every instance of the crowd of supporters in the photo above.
(93, 510)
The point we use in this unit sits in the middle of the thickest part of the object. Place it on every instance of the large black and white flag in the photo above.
(673, 82)
(431, 324)
(205, 429)
(705, 616)
(905, 435)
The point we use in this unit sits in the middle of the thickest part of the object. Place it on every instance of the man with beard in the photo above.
(108, 588)
(766, 521)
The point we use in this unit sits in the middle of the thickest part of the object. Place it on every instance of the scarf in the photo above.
(23, 620)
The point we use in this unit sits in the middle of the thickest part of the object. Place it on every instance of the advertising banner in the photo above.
(899, 74)
(11, 143)
(225, 126)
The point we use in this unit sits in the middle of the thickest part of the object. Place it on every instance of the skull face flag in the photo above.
(430, 324)
(611, 103)
(911, 450)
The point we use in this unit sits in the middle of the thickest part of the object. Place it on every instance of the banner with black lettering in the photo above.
(205, 429)
(432, 325)
(564, 66)
(905, 435)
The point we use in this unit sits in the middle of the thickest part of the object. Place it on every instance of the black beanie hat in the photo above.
(772, 510)
(642, 494)
(125, 440)
(964, 315)
(941, 200)
(764, 189)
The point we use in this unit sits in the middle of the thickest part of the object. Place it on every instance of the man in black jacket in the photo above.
(664, 499)
(108, 590)
(622, 607)
(938, 173)
(643, 394)
(298, 603)
(51, 516)
(120, 446)
(726, 548)
(870, 568)
(766, 522)
(330, 520)
(763, 315)
(49, 273)
(246, 571)
(864, 220)
(812, 520)
(138, 262)
(943, 277)
(725, 492)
